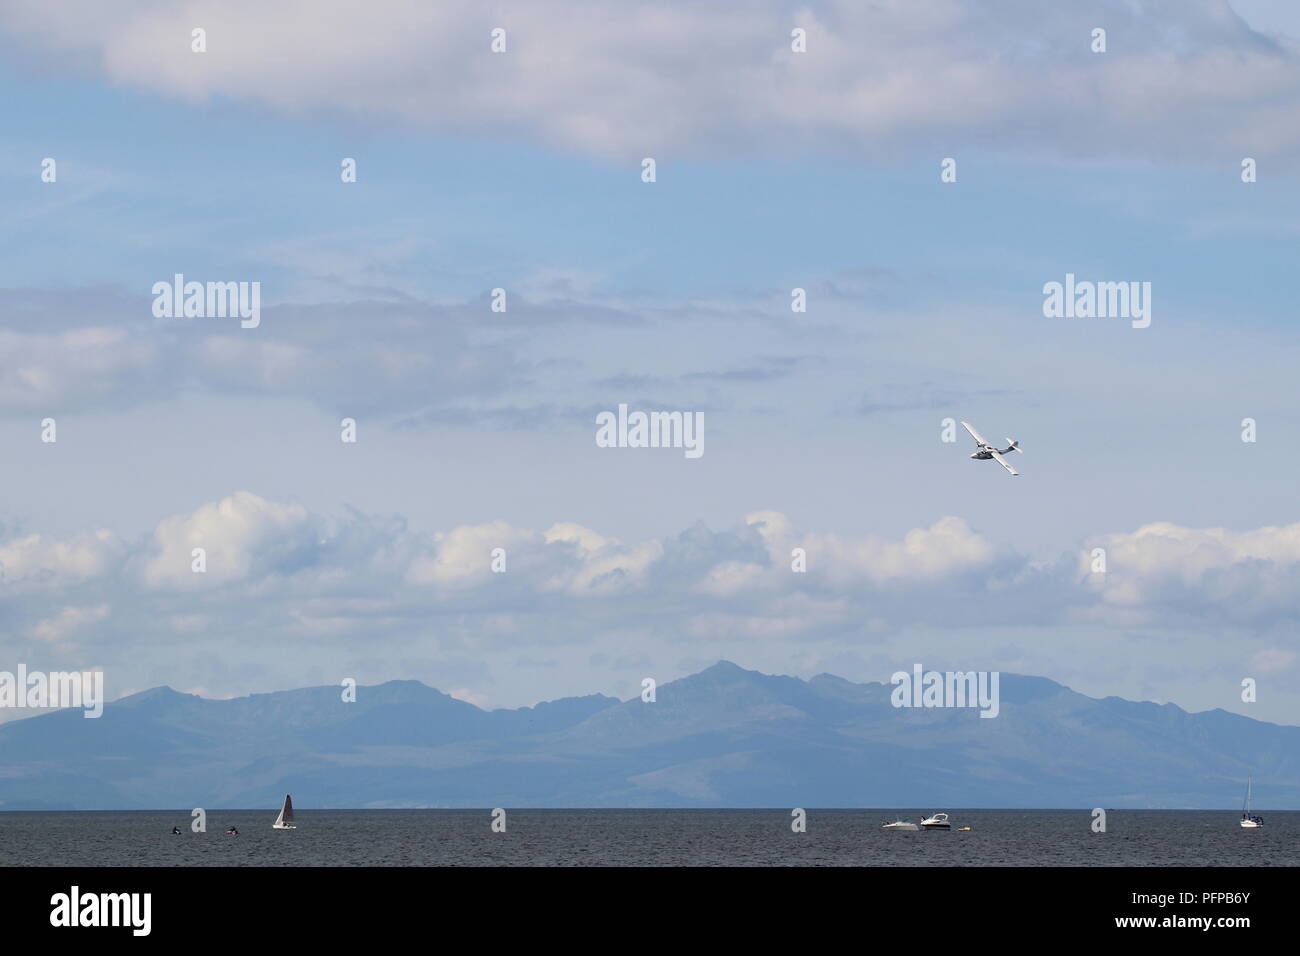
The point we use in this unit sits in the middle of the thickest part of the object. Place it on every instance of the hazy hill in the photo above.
(723, 737)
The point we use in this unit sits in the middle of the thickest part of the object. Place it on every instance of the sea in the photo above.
(701, 838)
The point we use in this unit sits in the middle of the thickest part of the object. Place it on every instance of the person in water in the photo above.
(176, 830)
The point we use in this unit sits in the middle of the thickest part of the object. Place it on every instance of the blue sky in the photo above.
(822, 428)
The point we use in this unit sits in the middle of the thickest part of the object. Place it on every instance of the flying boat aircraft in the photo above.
(988, 451)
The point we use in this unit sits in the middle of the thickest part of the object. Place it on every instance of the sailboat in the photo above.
(1249, 819)
(285, 820)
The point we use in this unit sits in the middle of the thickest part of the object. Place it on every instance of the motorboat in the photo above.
(937, 822)
(900, 825)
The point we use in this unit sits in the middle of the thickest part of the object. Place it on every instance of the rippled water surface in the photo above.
(647, 838)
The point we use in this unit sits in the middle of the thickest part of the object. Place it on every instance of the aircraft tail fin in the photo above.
(1012, 445)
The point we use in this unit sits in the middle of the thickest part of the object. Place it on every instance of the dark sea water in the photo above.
(647, 838)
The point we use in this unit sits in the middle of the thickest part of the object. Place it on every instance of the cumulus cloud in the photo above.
(462, 556)
(677, 77)
(566, 558)
(947, 547)
(42, 561)
(311, 574)
(354, 587)
(731, 577)
(1239, 576)
(304, 567)
(240, 537)
(302, 570)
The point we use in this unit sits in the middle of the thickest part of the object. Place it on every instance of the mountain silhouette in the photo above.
(725, 737)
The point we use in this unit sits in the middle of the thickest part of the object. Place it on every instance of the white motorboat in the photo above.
(1248, 819)
(937, 822)
(900, 825)
(285, 820)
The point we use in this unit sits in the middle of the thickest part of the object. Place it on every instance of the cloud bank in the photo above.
(679, 78)
(289, 569)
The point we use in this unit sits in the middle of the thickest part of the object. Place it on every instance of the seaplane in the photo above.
(988, 451)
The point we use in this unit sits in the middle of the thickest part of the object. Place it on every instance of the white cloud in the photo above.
(356, 589)
(946, 547)
(240, 535)
(40, 560)
(1238, 575)
(45, 371)
(68, 621)
(310, 574)
(586, 539)
(731, 577)
(614, 568)
(354, 358)
(675, 77)
(463, 555)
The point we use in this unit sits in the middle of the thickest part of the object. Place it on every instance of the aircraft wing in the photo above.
(1003, 462)
(973, 433)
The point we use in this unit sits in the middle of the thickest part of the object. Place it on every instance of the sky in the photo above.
(824, 430)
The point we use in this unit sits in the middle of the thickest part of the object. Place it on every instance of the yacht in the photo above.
(285, 820)
(900, 825)
(937, 822)
(1248, 819)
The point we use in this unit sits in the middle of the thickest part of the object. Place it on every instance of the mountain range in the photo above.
(725, 737)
